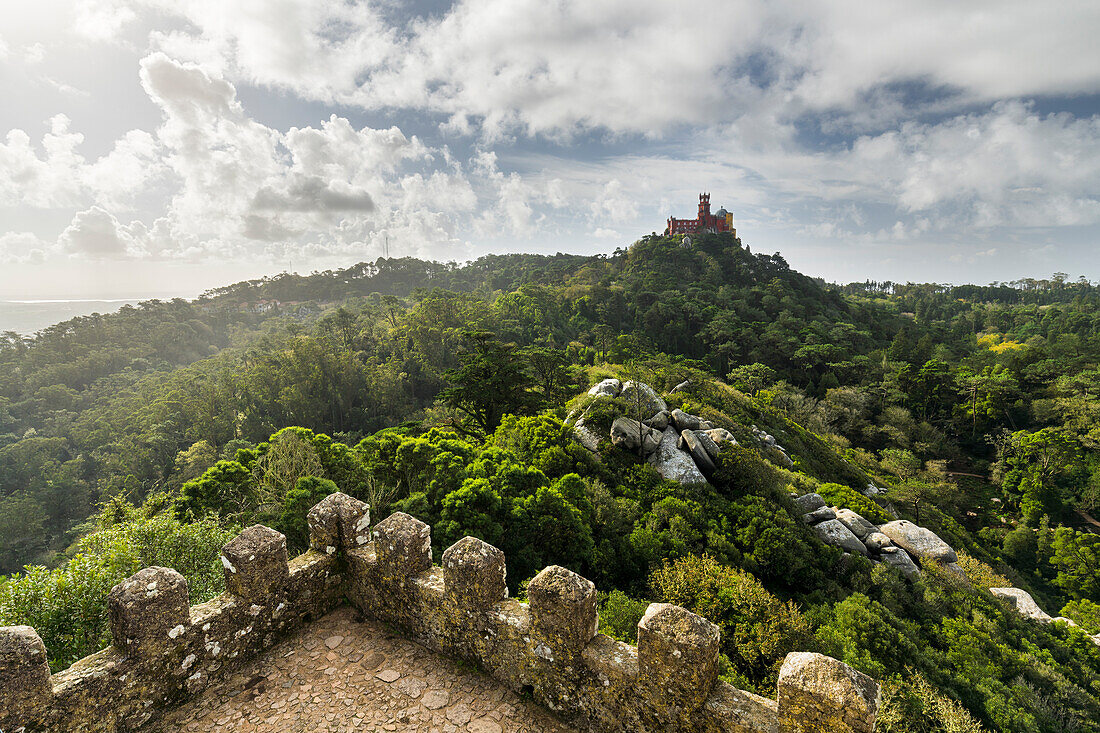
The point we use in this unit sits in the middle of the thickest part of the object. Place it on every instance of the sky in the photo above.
(156, 148)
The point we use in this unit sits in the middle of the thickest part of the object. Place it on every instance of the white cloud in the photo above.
(96, 233)
(643, 66)
(102, 20)
(22, 247)
(924, 109)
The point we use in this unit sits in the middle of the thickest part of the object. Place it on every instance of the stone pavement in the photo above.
(344, 674)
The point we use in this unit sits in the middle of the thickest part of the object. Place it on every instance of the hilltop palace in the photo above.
(722, 221)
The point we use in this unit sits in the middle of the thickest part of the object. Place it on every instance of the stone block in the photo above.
(148, 611)
(338, 521)
(404, 546)
(818, 694)
(563, 611)
(255, 563)
(474, 574)
(678, 656)
(24, 676)
(808, 503)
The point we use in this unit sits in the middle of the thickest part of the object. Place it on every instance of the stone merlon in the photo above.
(164, 652)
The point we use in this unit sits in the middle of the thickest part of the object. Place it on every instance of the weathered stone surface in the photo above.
(563, 611)
(641, 396)
(24, 676)
(821, 514)
(609, 387)
(659, 421)
(860, 527)
(689, 442)
(338, 521)
(876, 541)
(809, 502)
(1022, 601)
(834, 533)
(898, 558)
(403, 544)
(630, 435)
(703, 436)
(683, 421)
(548, 647)
(818, 694)
(681, 386)
(674, 464)
(255, 563)
(730, 710)
(918, 541)
(678, 655)
(474, 574)
(146, 610)
(721, 435)
(586, 436)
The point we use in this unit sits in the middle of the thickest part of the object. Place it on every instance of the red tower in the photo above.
(721, 221)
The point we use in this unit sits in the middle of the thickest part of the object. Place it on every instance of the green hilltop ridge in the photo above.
(790, 439)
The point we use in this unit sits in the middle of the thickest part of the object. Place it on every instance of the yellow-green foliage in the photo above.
(1085, 613)
(758, 629)
(846, 497)
(914, 706)
(68, 605)
(980, 574)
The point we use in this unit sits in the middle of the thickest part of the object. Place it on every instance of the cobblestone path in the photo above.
(339, 674)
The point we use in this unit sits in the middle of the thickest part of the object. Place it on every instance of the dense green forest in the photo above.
(151, 435)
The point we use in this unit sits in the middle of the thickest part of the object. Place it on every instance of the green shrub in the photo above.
(1085, 613)
(846, 497)
(68, 605)
(619, 616)
(914, 706)
(758, 629)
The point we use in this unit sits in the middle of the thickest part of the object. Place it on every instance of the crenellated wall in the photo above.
(165, 651)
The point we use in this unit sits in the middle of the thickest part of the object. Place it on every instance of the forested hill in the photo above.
(148, 436)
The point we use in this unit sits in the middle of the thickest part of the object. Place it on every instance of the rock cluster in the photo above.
(682, 447)
(899, 544)
(1026, 606)
(768, 441)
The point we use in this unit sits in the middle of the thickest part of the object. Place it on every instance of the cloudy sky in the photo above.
(159, 147)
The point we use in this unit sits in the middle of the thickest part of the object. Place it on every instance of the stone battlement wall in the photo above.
(165, 652)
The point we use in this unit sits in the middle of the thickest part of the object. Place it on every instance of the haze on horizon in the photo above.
(154, 148)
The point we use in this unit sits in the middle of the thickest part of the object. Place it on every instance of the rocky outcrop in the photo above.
(690, 442)
(1024, 604)
(642, 397)
(860, 527)
(674, 464)
(703, 436)
(768, 441)
(808, 503)
(721, 435)
(848, 530)
(821, 514)
(694, 452)
(898, 558)
(684, 421)
(876, 541)
(834, 533)
(633, 435)
(919, 542)
(660, 421)
(606, 388)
